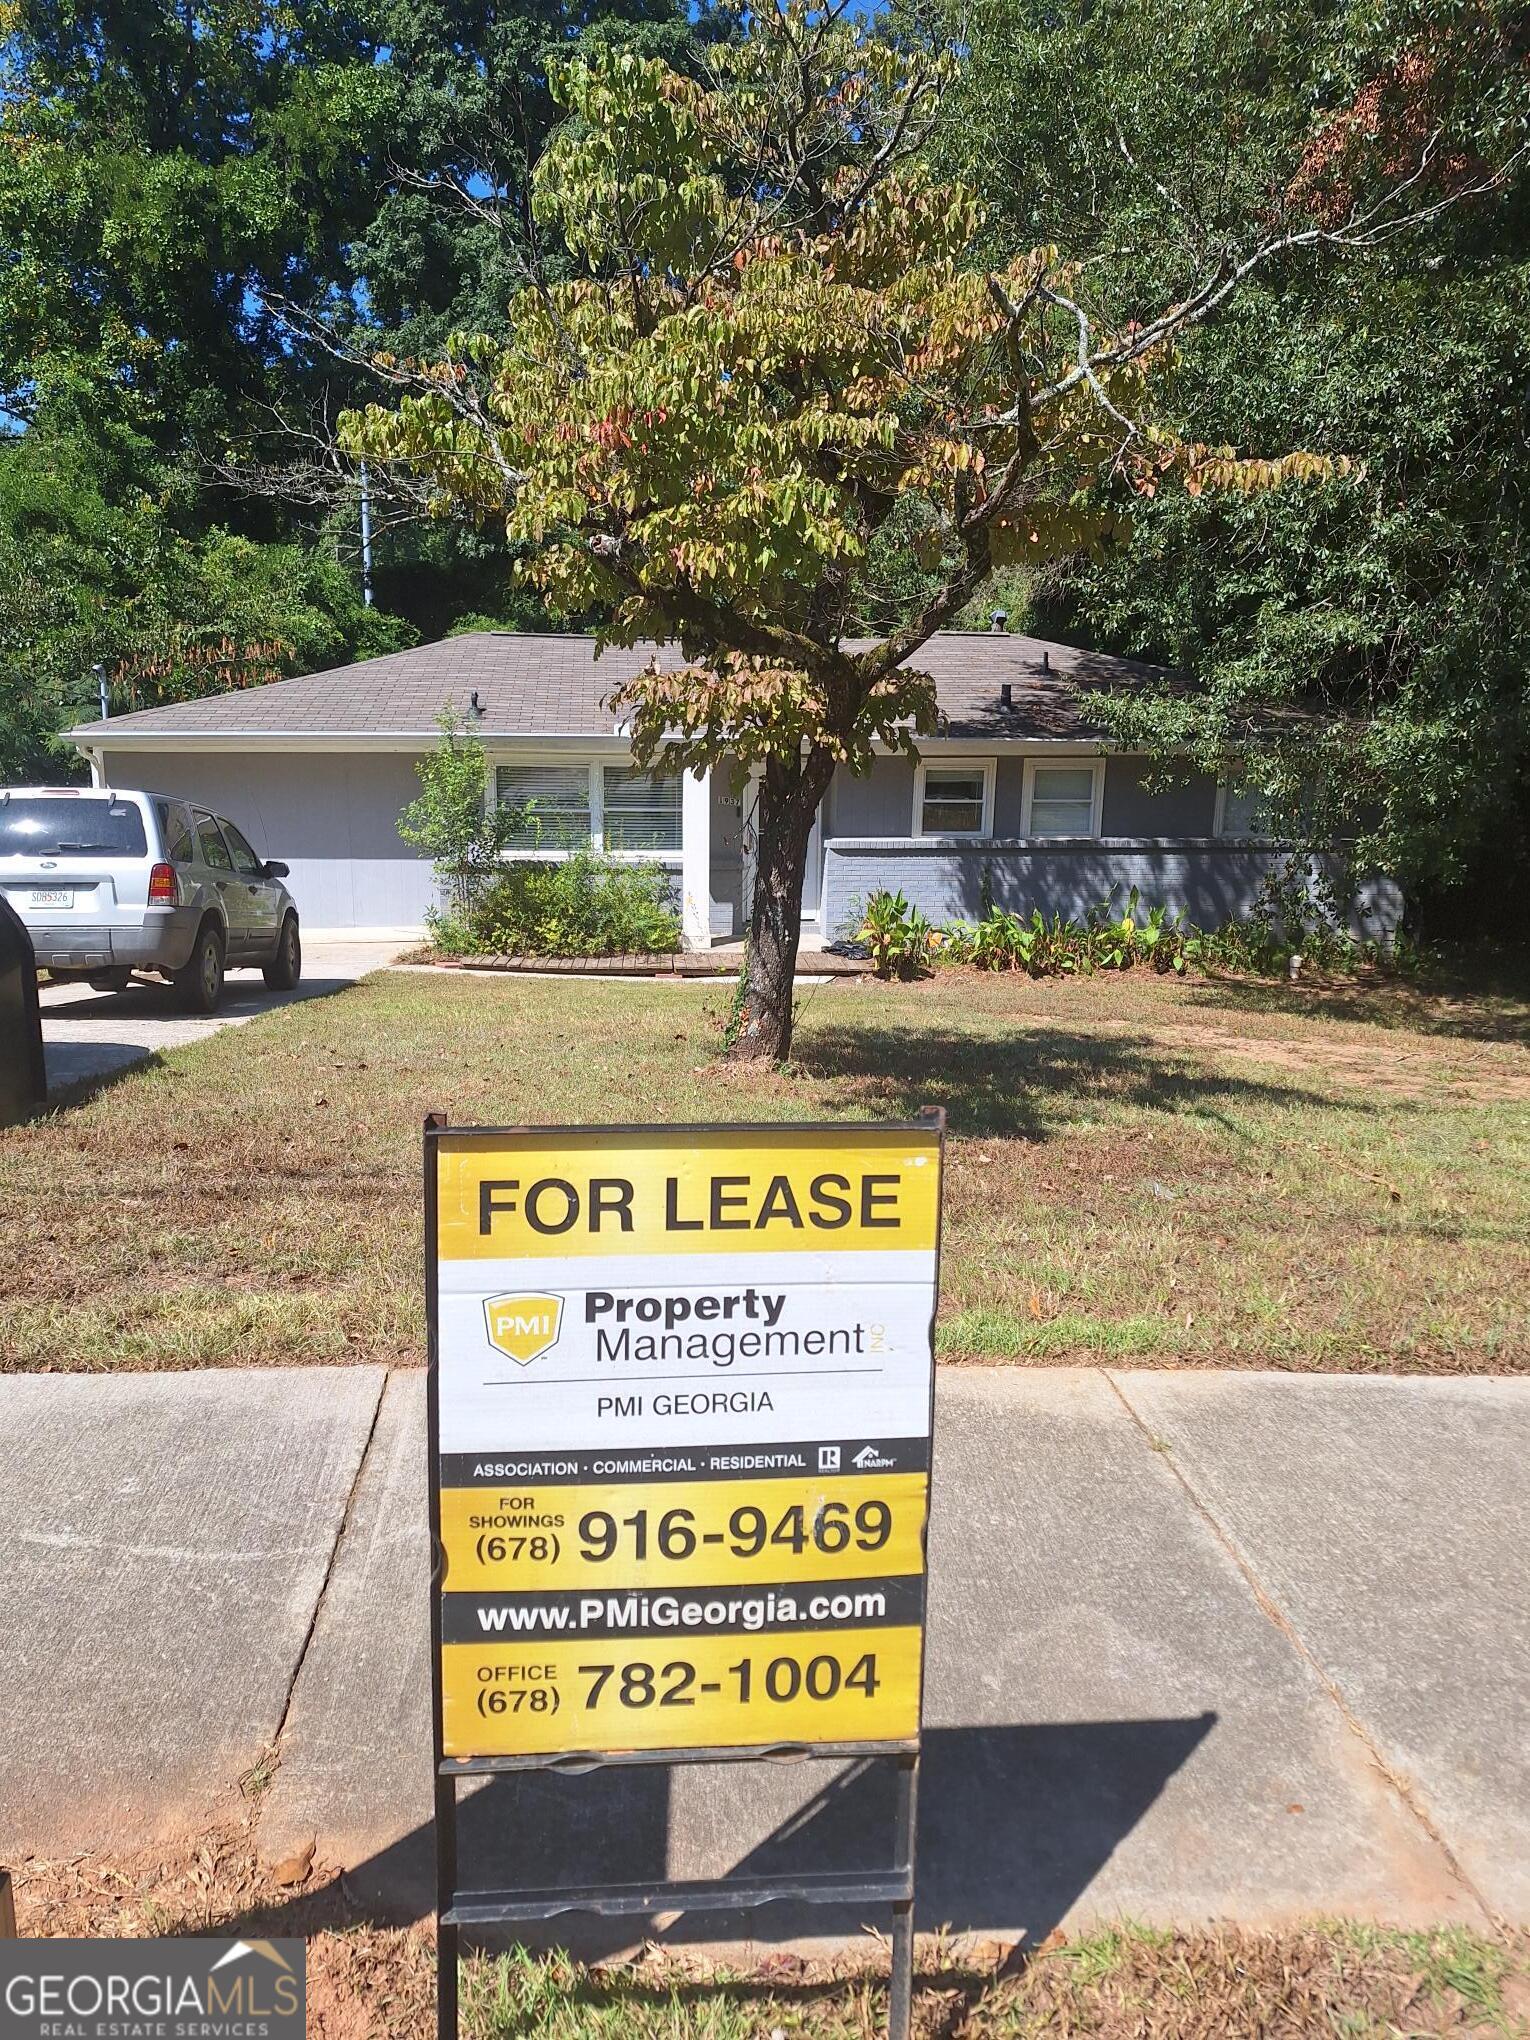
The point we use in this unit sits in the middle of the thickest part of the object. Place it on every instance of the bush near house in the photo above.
(1287, 931)
(583, 905)
(575, 902)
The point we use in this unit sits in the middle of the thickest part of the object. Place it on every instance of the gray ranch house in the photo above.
(1019, 798)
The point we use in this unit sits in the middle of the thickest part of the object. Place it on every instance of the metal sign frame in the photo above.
(458, 1906)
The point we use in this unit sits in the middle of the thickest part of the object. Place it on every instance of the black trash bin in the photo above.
(23, 1079)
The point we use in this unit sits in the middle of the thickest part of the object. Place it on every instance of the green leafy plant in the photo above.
(453, 822)
(581, 904)
(899, 937)
(1117, 941)
(1004, 940)
(1161, 940)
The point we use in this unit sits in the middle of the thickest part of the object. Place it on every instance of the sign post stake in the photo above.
(680, 1412)
(900, 2001)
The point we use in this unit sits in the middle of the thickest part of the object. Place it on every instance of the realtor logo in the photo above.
(828, 1459)
(152, 1990)
(523, 1327)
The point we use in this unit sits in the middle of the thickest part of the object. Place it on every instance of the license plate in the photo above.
(52, 896)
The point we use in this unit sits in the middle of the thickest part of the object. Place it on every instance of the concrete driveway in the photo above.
(88, 1035)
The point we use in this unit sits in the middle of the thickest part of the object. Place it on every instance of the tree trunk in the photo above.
(783, 823)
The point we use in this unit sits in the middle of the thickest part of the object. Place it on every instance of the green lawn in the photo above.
(1141, 1169)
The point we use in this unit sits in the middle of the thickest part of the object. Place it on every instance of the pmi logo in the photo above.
(523, 1327)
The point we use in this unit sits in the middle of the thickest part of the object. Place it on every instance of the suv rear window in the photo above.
(52, 825)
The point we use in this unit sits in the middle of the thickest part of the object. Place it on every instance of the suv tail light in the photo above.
(162, 886)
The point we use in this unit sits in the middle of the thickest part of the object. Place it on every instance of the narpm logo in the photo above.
(522, 1327)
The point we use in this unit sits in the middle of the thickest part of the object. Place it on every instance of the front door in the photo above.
(812, 873)
(812, 870)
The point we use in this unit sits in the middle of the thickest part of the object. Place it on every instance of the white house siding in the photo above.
(331, 815)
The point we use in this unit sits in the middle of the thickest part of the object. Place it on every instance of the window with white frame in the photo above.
(1061, 799)
(641, 810)
(952, 800)
(552, 802)
(563, 807)
(1242, 811)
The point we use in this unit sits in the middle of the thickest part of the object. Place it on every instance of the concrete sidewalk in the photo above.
(1202, 1646)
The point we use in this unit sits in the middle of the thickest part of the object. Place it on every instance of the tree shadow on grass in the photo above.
(1446, 1008)
(1029, 1084)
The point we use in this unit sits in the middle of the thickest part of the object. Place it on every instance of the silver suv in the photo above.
(112, 882)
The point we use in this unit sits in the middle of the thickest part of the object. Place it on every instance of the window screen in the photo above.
(642, 809)
(554, 805)
(1062, 800)
(953, 803)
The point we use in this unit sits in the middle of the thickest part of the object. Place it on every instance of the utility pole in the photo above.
(366, 539)
(100, 673)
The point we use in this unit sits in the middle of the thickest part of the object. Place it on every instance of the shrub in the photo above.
(1117, 941)
(583, 905)
(900, 939)
(453, 823)
(1287, 921)
(1291, 925)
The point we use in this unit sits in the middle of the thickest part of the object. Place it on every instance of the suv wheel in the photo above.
(286, 966)
(200, 983)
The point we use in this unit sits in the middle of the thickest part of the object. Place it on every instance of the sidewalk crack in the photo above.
(1276, 1615)
(270, 1761)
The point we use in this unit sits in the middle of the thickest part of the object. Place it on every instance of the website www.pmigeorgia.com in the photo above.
(670, 1611)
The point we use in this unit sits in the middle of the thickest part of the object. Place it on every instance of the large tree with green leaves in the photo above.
(780, 331)
(783, 331)
(104, 580)
(1360, 653)
(173, 178)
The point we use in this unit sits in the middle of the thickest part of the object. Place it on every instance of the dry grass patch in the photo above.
(372, 1982)
(1199, 1173)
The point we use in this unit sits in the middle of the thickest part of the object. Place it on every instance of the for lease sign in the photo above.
(682, 1395)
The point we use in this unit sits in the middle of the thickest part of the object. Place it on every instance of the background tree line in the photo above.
(172, 175)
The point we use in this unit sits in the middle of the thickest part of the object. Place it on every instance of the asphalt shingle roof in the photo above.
(547, 686)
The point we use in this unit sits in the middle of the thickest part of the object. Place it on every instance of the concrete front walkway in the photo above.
(1202, 1646)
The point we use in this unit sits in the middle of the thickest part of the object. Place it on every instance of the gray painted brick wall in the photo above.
(1209, 881)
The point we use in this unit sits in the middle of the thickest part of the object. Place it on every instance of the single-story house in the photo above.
(1019, 798)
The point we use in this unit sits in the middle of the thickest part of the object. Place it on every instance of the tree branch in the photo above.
(1362, 230)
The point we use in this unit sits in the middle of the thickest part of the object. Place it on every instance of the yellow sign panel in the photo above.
(713, 1533)
(681, 1404)
(844, 1685)
(756, 1189)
